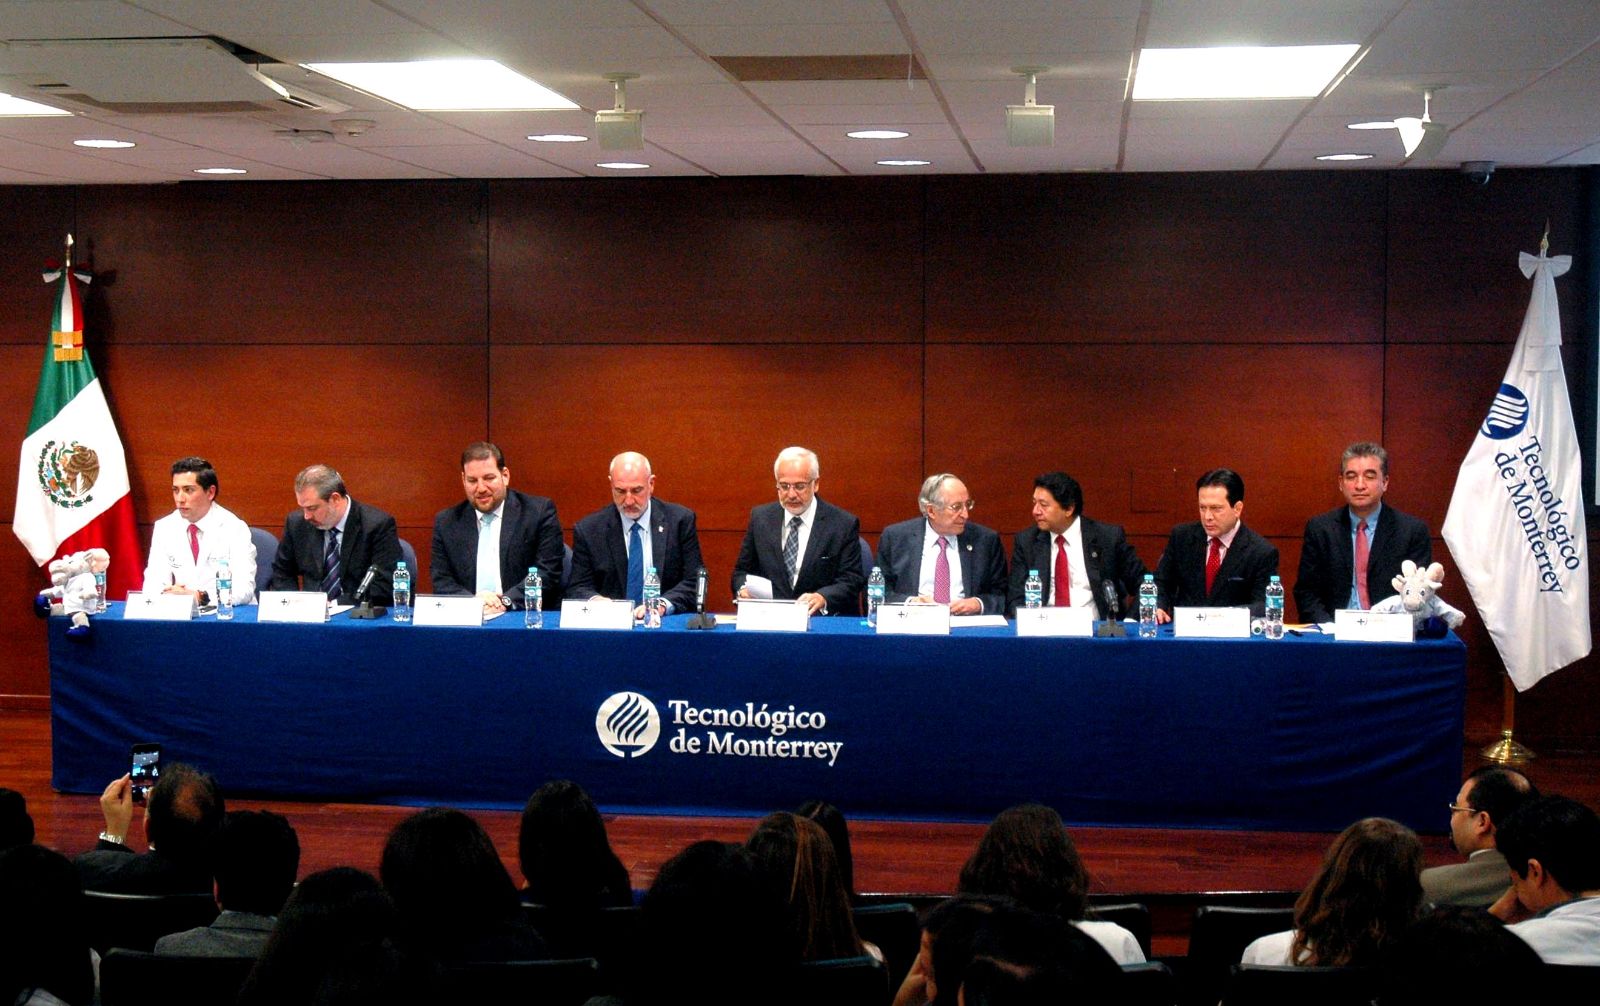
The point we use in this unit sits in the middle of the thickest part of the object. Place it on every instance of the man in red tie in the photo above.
(1077, 558)
(1216, 561)
(187, 545)
(943, 557)
(1351, 553)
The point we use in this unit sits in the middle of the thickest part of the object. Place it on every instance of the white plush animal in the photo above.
(1418, 594)
(73, 590)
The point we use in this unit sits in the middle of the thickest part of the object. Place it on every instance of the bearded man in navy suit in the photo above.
(612, 547)
(485, 544)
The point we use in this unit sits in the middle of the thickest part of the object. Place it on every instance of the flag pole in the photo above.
(1506, 750)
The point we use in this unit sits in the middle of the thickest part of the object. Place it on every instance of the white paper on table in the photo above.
(758, 587)
(310, 606)
(338, 609)
(914, 619)
(977, 621)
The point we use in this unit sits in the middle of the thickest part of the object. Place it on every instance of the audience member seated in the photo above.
(948, 931)
(1552, 846)
(16, 826)
(335, 943)
(45, 958)
(256, 860)
(795, 858)
(1024, 958)
(1488, 797)
(565, 855)
(832, 821)
(1455, 954)
(1027, 855)
(456, 901)
(185, 810)
(1364, 895)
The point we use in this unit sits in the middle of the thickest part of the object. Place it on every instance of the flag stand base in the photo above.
(1507, 751)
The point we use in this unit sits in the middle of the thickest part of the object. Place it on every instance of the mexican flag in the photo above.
(72, 477)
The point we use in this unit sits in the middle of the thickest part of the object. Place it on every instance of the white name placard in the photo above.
(1055, 621)
(913, 620)
(1374, 626)
(1211, 623)
(772, 616)
(447, 609)
(158, 607)
(597, 613)
(292, 606)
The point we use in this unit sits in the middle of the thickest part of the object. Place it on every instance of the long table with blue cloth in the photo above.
(1300, 734)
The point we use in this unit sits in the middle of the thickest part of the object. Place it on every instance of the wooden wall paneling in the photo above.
(34, 223)
(288, 262)
(1247, 257)
(796, 260)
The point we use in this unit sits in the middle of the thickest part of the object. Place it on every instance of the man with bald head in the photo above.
(614, 546)
(485, 544)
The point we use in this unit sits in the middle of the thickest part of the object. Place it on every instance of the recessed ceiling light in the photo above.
(1385, 124)
(219, 171)
(622, 165)
(1344, 157)
(446, 84)
(903, 162)
(10, 105)
(1230, 72)
(104, 144)
(557, 138)
(878, 134)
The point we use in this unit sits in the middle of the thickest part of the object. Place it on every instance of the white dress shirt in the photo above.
(807, 517)
(222, 536)
(930, 560)
(1569, 933)
(1080, 593)
(646, 542)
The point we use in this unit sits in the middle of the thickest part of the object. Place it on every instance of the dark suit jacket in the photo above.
(831, 565)
(530, 535)
(600, 554)
(120, 870)
(1106, 554)
(369, 539)
(983, 563)
(1242, 579)
(1327, 560)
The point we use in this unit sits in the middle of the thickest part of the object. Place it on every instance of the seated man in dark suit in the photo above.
(256, 859)
(809, 549)
(612, 547)
(1092, 554)
(180, 823)
(912, 554)
(485, 544)
(1216, 561)
(1351, 554)
(332, 540)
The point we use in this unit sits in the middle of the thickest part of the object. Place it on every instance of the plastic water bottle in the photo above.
(400, 608)
(1273, 629)
(100, 592)
(875, 591)
(1032, 590)
(224, 590)
(1147, 607)
(652, 598)
(533, 599)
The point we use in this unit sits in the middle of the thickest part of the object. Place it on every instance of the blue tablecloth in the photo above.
(1302, 734)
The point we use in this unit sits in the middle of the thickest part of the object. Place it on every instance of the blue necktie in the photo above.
(635, 565)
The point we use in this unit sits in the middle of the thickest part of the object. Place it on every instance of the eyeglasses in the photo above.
(795, 487)
(1458, 809)
(955, 508)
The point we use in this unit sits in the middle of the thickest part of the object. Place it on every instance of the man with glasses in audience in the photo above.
(331, 541)
(1487, 799)
(942, 557)
(612, 547)
(809, 549)
(1076, 557)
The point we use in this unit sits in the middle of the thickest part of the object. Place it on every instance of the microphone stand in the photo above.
(364, 608)
(701, 620)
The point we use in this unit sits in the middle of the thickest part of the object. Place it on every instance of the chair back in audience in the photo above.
(1570, 983)
(1260, 985)
(843, 981)
(135, 978)
(896, 931)
(266, 544)
(1130, 915)
(409, 554)
(544, 983)
(609, 935)
(136, 921)
(1217, 941)
(1149, 984)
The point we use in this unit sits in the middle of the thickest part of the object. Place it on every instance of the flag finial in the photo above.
(69, 251)
(1544, 242)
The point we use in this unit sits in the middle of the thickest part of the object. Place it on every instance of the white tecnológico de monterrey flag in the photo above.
(1516, 524)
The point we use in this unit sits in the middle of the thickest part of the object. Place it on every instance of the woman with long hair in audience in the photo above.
(832, 820)
(795, 858)
(1027, 855)
(1366, 893)
(565, 855)
(45, 958)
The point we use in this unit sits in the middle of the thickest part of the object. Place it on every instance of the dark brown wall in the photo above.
(1132, 329)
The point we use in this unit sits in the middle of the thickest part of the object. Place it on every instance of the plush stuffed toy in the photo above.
(73, 590)
(1418, 594)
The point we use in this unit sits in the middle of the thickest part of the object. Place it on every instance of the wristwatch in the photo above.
(106, 836)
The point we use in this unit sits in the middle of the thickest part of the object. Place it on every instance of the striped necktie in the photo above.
(330, 582)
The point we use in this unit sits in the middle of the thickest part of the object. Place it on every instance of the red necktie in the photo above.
(1362, 549)
(941, 573)
(194, 543)
(1213, 563)
(1063, 575)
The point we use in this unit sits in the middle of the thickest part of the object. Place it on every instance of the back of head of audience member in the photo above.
(565, 855)
(1027, 855)
(446, 879)
(16, 826)
(44, 943)
(1493, 792)
(795, 858)
(1454, 954)
(1552, 845)
(712, 932)
(832, 820)
(949, 931)
(257, 859)
(184, 814)
(1025, 958)
(1365, 894)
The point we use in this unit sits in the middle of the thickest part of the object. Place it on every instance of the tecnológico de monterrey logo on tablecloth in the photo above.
(1508, 413)
(628, 724)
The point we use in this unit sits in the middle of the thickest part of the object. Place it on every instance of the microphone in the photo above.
(700, 590)
(1111, 627)
(364, 608)
(366, 584)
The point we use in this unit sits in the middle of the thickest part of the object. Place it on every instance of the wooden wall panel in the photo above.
(34, 223)
(1263, 256)
(797, 260)
(332, 263)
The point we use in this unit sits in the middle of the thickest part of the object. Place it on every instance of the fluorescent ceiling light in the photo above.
(558, 138)
(878, 134)
(219, 171)
(1344, 157)
(622, 165)
(903, 163)
(10, 105)
(1231, 72)
(446, 84)
(1385, 124)
(104, 144)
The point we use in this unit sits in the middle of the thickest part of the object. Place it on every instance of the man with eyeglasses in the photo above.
(1487, 800)
(942, 557)
(484, 545)
(809, 549)
(612, 547)
(1077, 558)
